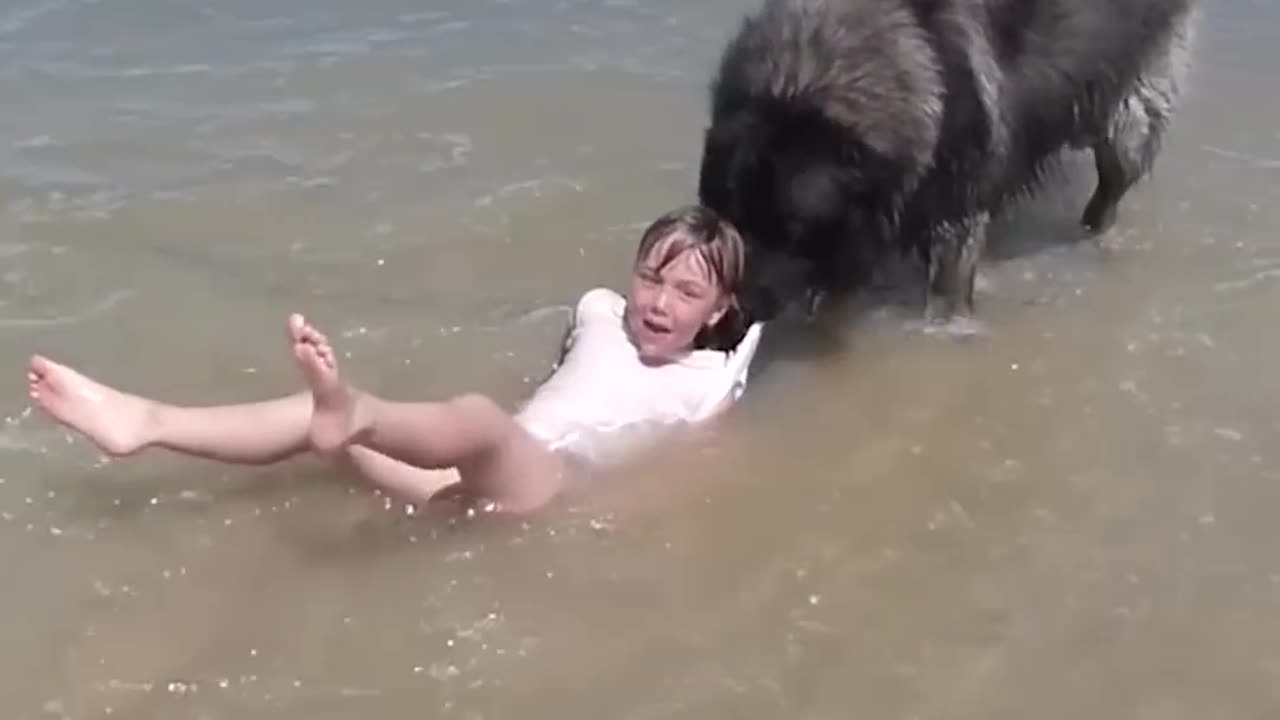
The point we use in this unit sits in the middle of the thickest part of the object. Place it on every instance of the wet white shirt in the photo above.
(602, 398)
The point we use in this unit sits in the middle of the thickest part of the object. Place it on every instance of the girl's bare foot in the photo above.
(336, 417)
(115, 421)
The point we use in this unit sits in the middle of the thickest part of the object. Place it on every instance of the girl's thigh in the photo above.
(520, 473)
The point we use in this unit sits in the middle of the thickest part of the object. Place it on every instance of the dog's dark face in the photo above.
(800, 202)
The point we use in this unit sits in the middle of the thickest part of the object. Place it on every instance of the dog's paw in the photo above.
(959, 327)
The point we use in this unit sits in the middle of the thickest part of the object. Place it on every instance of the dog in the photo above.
(845, 130)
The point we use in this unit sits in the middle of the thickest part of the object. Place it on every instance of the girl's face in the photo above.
(668, 306)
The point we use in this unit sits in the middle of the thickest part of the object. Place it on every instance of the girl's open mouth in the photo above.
(655, 328)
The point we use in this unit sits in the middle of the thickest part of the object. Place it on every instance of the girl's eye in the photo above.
(690, 292)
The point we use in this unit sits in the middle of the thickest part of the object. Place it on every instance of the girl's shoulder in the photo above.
(600, 301)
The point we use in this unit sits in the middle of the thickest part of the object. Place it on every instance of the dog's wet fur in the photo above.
(845, 130)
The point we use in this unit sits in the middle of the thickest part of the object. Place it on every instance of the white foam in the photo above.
(96, 205)
(452, 26)
(957, 327)
(76, 70)
(1258, 277)
(445, 85)
(1257, 161)
(104, 305)
(535, 187)
(38, 141)
(19, 19)
(457, 145)
(426, 16)
(12, 249)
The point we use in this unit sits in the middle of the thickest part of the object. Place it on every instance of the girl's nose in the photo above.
(660, 302)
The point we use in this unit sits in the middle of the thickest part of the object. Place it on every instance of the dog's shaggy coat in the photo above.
(842, 130)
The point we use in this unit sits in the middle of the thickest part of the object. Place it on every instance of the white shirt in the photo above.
(602, 388)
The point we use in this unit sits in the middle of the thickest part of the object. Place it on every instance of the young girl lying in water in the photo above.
(675, 350)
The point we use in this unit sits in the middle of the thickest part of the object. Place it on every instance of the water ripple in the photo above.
(101, 307)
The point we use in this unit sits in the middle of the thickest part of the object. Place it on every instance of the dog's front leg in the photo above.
(955, 249)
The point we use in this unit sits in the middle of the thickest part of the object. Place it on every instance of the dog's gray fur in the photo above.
(842, 129)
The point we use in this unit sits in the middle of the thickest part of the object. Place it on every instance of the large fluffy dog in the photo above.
(842, 130)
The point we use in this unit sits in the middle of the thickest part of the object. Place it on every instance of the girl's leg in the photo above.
(405, 481)
(122, 424)
(496, 459)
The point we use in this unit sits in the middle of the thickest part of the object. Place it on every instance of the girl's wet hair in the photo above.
(718, 243)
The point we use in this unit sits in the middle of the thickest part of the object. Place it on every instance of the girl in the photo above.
(675, 350)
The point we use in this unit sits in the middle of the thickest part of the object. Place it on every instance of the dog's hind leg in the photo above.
(1126, 148)
(955, 249)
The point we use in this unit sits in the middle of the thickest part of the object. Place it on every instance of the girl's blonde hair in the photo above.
(719, 244)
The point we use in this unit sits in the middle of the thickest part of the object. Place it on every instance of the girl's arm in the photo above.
(718, 409)
(735, 384)
(561, 350)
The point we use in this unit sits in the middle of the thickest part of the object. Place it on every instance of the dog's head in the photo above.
(811, 202)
